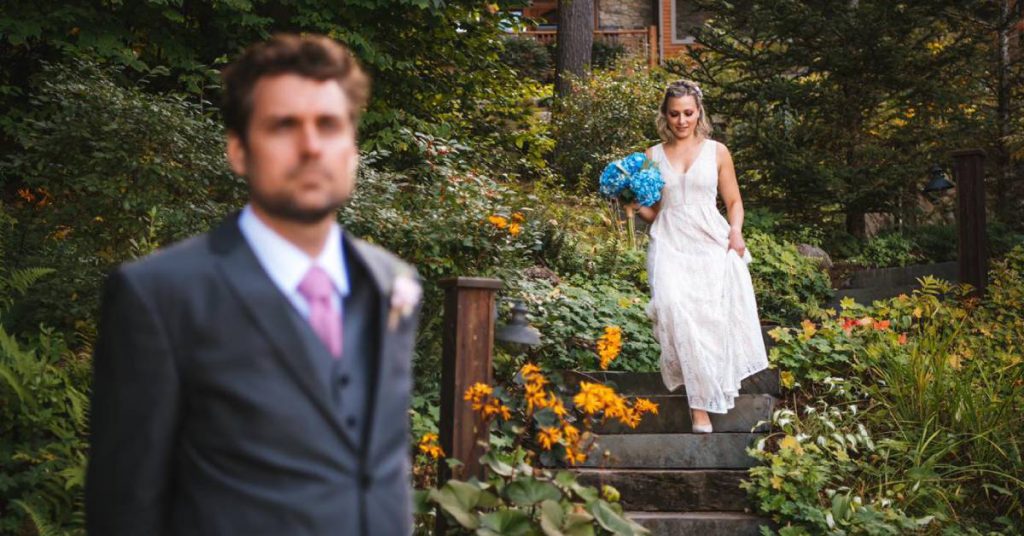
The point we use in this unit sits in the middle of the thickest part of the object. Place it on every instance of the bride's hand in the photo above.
(736, 242)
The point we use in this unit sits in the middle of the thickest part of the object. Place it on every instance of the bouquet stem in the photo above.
(630, 228)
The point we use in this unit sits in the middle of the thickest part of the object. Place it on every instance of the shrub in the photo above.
(528, 57)
(572, 316)
(606, 115)
(43, 412)
(606, 54)
(937, 384)
(885, 250)
(531, 421)
(101, 166)
(787, 285)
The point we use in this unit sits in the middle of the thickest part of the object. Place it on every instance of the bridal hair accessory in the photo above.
(689, 85)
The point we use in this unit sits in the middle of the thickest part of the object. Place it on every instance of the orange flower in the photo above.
(514, 229)
(574, 457)
(428, 445)
(476, 394)
(643, 405)
(848, 324)
(498, 221)
(903, 339)
(518, 217)
(570, 432)
(548, 436)
(609, 345)
(884, 324)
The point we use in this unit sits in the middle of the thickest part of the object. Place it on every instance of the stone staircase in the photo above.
(671, 480)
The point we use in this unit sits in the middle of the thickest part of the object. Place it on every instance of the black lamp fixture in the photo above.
(939, 181)
(518, 329)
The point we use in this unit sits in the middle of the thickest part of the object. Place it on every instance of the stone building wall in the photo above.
(625, 14)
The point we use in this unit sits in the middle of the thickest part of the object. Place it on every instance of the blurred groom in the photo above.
(255, 380)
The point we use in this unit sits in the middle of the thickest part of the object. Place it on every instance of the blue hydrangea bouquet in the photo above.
(633, 178)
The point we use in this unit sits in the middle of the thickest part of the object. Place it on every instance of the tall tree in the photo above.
(575, 39)
(832, 113)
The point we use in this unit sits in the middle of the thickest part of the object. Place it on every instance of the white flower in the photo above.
(405, 294)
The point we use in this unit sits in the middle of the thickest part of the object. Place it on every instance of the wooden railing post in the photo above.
(652, 46)
(467, 346)
(972, 244)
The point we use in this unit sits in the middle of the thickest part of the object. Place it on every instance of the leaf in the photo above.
(529, 491)
(458, 499)
(551, 518)
(506, 523)
(610, 520)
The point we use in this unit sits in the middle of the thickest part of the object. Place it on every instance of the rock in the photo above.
(816, 253)
(540, 272)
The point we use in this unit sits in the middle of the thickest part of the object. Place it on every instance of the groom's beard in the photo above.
(284, 205)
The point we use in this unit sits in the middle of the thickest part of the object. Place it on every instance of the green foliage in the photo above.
(528, 57)
(937, 381)
(606, 54)
(436, 217)
(826, 125)
(605, 116)
(788, 286)
(102, 166)
(43, 418)
(885, 250)
(573, 314)
(519, 499)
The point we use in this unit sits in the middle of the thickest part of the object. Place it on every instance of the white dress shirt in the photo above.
(286, 264)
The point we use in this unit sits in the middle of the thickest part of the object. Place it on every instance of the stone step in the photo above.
(668, 490)
(673, 451)
(650, 383)
(700, 523)
(674, 417)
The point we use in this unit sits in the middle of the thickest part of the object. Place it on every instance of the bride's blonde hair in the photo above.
(675, 90)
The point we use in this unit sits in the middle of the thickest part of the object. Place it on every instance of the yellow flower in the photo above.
(428, 445)
(787, 379)
(498, 221)
(574, 456)
(548, 436)
(571, 433)
(809, 329)
(518, 217)
(514, 229)
(609, 345)
(476, 394)
(589, 399)
(643, 405)
(791, 443)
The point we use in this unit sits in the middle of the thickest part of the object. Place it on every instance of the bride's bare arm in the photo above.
(729, 189)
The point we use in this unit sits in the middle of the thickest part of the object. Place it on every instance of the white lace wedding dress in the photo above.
(702, 299)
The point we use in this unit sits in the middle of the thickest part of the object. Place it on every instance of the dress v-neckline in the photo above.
(668, 161)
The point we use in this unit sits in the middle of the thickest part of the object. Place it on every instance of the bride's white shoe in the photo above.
(699, 428)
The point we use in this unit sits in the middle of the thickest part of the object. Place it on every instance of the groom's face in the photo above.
(299, 153)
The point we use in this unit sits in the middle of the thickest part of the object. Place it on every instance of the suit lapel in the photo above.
(270, 311)
(382, 281)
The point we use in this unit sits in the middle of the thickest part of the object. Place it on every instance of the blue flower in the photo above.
(634, 162)
(614, 179)
(646, 186)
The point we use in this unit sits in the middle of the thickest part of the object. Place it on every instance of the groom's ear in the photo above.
(236, 153)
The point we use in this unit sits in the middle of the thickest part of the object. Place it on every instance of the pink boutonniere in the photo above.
(405, 294)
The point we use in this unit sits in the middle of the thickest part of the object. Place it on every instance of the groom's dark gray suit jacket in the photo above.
(217, 411)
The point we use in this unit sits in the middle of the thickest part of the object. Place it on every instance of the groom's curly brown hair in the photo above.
(310, 56)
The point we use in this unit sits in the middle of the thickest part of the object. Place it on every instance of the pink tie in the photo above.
(323, 318)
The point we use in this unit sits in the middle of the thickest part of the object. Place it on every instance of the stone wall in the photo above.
(625, 14)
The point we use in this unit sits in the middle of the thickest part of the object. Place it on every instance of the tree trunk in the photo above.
(1004, 169)
(575, 39)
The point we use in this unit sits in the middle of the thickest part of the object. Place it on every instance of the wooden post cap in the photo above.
(472, 282)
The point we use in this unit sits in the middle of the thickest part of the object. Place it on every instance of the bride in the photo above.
(702, 299)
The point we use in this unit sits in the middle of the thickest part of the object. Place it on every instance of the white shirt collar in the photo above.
(285, 263)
